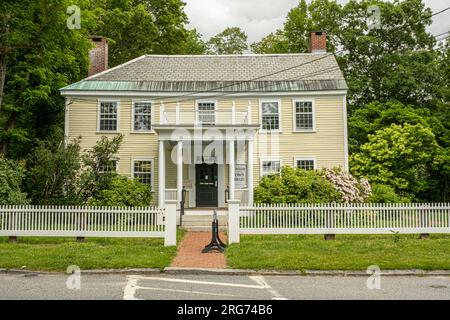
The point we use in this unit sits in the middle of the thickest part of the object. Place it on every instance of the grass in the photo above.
(56, 254)
(347, 252)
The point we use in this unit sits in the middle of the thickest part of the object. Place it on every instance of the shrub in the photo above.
(124, 192)
(382, 193)
(295, 186)
(11, 176)
(350, 188)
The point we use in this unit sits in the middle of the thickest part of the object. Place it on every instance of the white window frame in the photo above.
(294, 114)
(152, 179)
(118, 115)
(307, 159)
(216, 107)
(261, 169)
(261, 101)
(152, 113)
(116, 169)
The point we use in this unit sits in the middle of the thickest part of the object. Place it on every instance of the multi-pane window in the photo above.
(206, 113)
(305, 164)
(270, 167)
(304, 118)
(142, 116)
(108, 116)
(270, 115)
(110, 166)
(142, 171)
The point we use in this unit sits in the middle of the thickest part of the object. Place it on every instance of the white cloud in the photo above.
(261, 17)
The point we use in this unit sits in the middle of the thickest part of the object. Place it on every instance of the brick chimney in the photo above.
(318, 42)
(98, 56)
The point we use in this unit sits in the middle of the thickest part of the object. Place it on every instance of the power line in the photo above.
(439, 12)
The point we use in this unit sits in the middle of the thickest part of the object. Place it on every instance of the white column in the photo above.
(161, 174)
(231, 163)
(250, 171)
(179, 171)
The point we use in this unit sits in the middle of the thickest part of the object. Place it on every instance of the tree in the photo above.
(194, 43)
(11, 176)
(138, 27)
(403, 157)
(39, 54)
(273, 43)
(52, 172)
(230, 41)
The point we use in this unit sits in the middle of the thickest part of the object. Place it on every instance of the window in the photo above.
(305, 164)
(111, 166)
(142, 116)
(270, 115)
(108, 116)
(206, 113)
(304, 115)
(269, 167)
(142, 171)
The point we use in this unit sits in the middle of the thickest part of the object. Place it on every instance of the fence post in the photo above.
(170, 223)
(233, 221)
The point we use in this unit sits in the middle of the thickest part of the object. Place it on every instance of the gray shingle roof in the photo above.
(241, 73)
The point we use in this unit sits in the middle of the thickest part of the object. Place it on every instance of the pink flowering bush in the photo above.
(350, 188)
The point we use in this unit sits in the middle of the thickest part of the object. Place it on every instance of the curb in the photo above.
(85, 272)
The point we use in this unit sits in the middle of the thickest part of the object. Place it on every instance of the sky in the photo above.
(258, 18)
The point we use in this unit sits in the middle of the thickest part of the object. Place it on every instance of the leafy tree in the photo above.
(403, 157)
(230, 41)
(52, 174)
(97, 171)
(11, 176)
(296, 186)
(124, 192)
(39, 54)
(273, 43)
(138, 27)
(194, 44)
(382, 193)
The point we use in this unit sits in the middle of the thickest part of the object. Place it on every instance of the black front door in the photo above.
(206, 185)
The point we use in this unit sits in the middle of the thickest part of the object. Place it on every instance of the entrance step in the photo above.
(202, 221)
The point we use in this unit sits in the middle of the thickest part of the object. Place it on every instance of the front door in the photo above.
(206, 185)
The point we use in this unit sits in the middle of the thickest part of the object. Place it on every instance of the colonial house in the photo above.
(213, 125)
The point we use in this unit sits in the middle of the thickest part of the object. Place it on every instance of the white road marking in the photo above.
(130, 289)
(262, 282)
(190, 292)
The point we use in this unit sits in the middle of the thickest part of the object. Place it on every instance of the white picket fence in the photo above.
(353, 218)
(84, 221)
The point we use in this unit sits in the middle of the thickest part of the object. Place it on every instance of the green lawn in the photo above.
(347, 252)
(56, 254)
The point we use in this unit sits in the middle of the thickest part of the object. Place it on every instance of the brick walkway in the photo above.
(190, 252)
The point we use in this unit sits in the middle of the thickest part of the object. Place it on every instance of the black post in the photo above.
(182, 202)
(216, 243)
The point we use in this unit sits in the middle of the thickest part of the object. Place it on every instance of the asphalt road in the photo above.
(202, 287)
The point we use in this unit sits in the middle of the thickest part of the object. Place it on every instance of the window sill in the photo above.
(270, 131)
(107, 132)
(304, 131)
(143, 132)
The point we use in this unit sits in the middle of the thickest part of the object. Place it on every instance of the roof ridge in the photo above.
(115, 68)
(237, 55)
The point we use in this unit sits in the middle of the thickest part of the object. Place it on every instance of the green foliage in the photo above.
(382, 193)
(11, 176)
(296, 186)
(97, 163)
(124, 192)
(403, 157)
(273, 43)
(52, 172)
(194, 43)
(230, 41)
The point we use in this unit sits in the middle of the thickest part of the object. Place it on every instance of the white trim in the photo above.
(262, 159)
(344, 111)
(305, 158)
(152, 115)
(133, 160)
(201, 95)
(99, 101)
(277, 100)
(66, 121)
(294, 114)
(216, 108)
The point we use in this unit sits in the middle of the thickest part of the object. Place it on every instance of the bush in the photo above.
(124, 192)
(382, 193)
(11, 176)
(295, 186)
(350, 188)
